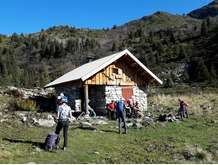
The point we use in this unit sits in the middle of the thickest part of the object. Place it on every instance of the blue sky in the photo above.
(26, 16)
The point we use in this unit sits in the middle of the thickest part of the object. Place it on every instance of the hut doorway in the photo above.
(97, 99)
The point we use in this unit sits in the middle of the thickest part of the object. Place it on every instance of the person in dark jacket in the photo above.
(183, 108)
(120, 111)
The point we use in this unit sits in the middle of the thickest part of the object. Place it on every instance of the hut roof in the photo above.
(89, 69)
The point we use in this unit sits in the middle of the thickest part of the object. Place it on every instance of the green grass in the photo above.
(146, 145)
(164, 143)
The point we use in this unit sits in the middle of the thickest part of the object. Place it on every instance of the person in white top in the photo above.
(63, 116)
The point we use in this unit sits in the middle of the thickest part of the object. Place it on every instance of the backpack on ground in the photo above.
(51, 141)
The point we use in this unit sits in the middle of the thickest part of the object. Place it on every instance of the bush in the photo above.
(25, 105)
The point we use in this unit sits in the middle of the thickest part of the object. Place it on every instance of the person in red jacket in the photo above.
(111, 108)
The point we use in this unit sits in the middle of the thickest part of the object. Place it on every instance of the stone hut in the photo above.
(110, 78)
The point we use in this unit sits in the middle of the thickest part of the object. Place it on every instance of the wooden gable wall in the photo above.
(122, 72)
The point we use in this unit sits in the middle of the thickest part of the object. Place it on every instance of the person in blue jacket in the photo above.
(120, 111)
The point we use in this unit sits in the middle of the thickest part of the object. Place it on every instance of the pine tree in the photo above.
(1, 39)
(169, 83)
(44, 75)
(114, 47)
(213, 71)
(172, 38)
(182, 52)
(15, 37)
(204, 28)
(130, 35)
(208, 22)
(199, 71)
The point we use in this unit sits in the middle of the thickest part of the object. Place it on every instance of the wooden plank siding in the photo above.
(129, 74)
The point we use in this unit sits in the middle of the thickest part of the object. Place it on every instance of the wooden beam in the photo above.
(86, 94)
(133, 64)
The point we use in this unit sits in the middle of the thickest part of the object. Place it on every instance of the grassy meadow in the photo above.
(193, 140)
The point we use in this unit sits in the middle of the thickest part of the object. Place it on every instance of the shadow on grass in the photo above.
(95, 129)
(111, 131)
(35, 144)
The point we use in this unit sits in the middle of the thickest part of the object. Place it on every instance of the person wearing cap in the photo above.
(64, 97)
(63, 116)
(120, 111)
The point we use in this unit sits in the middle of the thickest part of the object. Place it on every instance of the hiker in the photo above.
(111, 108)
(137, 112)
(63, 116)
(182, 109)
(120, 112)
(134, 108)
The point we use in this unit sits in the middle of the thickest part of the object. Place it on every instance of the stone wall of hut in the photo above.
(115, 93)
(100, 95)
(140, 94)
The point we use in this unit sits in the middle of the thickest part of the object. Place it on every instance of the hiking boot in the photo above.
(64, 148)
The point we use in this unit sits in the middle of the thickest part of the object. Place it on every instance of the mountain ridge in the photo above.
(164, 42)
(210, 10)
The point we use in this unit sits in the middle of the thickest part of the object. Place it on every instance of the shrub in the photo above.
(25, 105)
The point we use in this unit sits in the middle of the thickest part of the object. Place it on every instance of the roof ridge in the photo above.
(112, 56)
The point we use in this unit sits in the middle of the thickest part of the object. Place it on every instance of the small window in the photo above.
(115, 70)
(120, 71)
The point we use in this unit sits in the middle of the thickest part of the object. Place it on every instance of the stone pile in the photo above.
(140, 122)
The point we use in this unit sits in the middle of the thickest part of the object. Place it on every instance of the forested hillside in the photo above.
(179, 49)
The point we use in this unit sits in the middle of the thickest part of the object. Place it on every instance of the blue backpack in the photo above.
(120, 106)
(51, 141)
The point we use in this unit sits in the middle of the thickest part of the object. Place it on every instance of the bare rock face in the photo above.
(210, 10)
(27, 93)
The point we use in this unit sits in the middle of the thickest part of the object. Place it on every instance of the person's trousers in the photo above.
(111, 114)
(63, 124)
(122, 119)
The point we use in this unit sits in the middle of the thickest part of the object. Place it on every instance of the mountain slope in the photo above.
(164, 42)
(210, 10)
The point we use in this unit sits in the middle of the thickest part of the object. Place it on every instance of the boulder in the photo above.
(50, 117)
(43, 122)
(99, 122)
(46, 123)
(3, 120)
(147, 121)
(85, 124)
(137, 125)
(97, 153)
(129, 125)
(23, 117)
(72, 119)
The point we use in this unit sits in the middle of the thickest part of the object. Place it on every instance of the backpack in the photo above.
(51, 141)
(120, 106)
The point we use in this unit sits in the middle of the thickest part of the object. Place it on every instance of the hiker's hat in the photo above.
(63, 98)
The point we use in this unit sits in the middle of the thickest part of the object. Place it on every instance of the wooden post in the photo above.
(86, 94)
